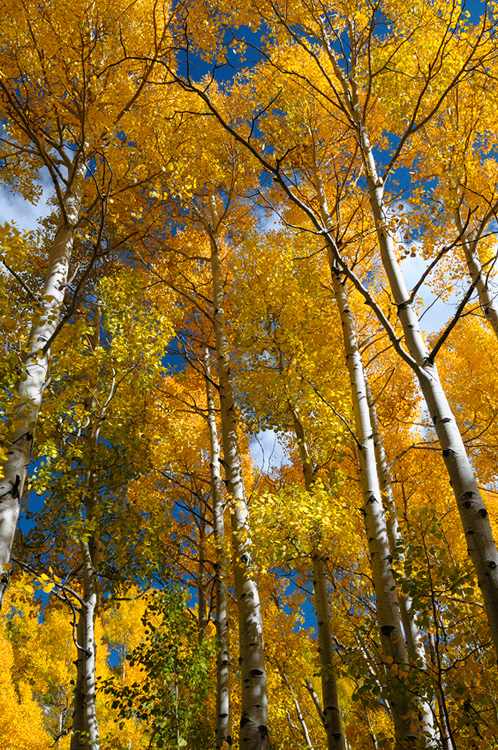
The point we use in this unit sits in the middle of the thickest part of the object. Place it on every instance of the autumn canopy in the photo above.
(249, 375)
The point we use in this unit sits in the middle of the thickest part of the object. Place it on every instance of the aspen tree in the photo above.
(473, 513)
(85, 732)
(347, 85)
(223, 712)
(58, 66)
(253, 724)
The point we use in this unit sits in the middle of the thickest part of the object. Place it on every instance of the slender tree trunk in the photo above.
(414, 641)
(223, 710)
(300, 717)
(78, 730)
(388, 614)
(331, 710)
(254, 704)
(90, 575)
(473, 512)
(201, 592)
(315, 699)
(85, 730)
(446, 738)
(36, 361)
(487, 299)
(85, 734)
(371, 732)
(405, 718)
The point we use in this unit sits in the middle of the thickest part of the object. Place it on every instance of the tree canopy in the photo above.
(253, 208)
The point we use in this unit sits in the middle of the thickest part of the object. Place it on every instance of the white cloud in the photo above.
(13, 208)
(267, 452)
(436, 312)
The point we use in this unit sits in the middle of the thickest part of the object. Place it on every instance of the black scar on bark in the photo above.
(15, 488)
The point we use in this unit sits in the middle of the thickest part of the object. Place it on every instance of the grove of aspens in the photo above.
(249, 375)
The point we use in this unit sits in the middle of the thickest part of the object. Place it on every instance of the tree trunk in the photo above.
(473, 512)
(414, 641)
(36, 362)
(85, 730)
(388, 614)
(202, 607)
(405, 718)
(315, 699)
(486, 298)
(253, 723)
(223, 711)
(300, 717)
(331, 712)
(446, 739)
(85, 735)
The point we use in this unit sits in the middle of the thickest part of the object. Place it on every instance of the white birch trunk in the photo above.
(331, 713)
(35, 367)
(85, 734)
(85, 729)
(202, 618)
(388, 615)
(487, 299)
(413, 636)
(223, 710)
(91, 723)
(254, 706)
(473, 512)
(314, 698)
(406, 721)
(78, 729)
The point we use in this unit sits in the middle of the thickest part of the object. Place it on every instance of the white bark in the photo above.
(413, 636)
(85, 729)
(91, 723)
(473, 512)
(388, 613)
(486, 298)
(36, 365)
(314, 698)
(300, 716)
(254, 711)
(202, 616)
(446, 738)
(85, 734)
(223, 710)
